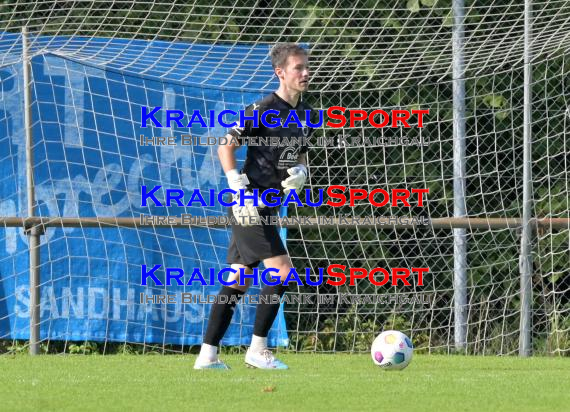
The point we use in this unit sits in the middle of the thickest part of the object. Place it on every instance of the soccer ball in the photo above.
(392, 350)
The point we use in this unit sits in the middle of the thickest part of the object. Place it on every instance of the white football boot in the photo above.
(263, 360)
(217, 364)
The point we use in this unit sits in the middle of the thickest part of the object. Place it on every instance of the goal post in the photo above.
(495, 206)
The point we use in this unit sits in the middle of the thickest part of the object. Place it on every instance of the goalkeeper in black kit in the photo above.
(281, 167)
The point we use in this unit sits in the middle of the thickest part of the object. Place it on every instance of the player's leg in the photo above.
(220, 319)
(258, 354)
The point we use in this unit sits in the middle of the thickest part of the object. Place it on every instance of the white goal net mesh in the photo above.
(95, 64)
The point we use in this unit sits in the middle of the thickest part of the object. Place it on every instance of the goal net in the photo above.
(96, 64)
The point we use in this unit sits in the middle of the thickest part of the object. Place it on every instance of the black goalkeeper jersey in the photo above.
(265, 164)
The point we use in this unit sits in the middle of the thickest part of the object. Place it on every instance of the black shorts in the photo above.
(250, 245)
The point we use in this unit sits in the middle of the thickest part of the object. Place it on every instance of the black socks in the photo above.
(221, 315)
(267, 312)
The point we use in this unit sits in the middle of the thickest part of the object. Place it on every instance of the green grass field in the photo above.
(314, 382)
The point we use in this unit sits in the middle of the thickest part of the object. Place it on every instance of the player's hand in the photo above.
(296, 179)
(237, 181)
(248, 214)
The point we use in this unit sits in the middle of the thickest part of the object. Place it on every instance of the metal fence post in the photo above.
(525, 259)
(459, 206)
(33, 232)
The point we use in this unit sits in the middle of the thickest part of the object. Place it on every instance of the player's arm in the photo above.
(227, 156)
(227, 153)
(247, 213)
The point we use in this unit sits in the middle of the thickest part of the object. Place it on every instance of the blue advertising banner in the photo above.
(88, 161)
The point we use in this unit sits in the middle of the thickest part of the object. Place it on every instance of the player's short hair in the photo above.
(281, 51)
